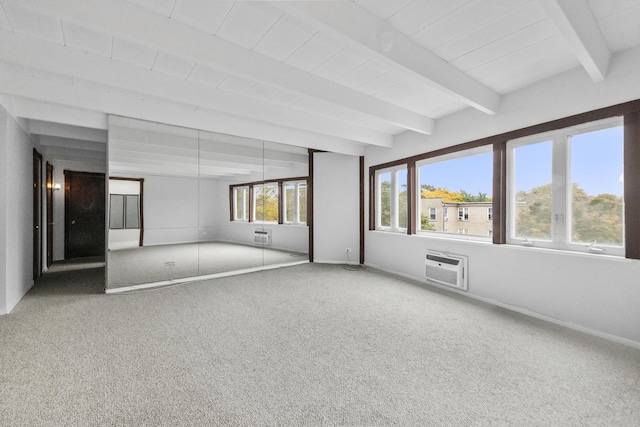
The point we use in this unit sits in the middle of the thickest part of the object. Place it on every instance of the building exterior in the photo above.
(473, 218)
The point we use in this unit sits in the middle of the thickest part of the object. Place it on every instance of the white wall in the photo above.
(597, 294)
(336, 206)
(16, 219)
(170, 210)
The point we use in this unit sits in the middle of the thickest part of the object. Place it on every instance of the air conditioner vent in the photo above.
(446, 269)
(262, 237)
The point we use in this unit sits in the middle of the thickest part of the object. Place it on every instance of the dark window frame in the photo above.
(629, 111)
(279, 182)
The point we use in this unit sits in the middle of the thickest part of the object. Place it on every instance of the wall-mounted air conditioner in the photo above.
(447, 269)
(262, 237)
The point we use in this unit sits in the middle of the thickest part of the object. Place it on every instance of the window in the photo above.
(295, 202)
(432, 214)
(241, 204)
(265, 202)
(391, 196)
(463, 182)
(124, 211)
(566, 189)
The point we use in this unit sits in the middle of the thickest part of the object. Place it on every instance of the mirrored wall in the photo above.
(187, 204)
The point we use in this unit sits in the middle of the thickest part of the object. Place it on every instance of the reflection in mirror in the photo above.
(185, 203)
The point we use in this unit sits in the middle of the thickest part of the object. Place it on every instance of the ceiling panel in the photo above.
(520, 40)
(133, 53)
(461, 21)
(342, 63)
(207, 75)
(172, 65)
(383, 82)
(236, 84)
(247, 22)
(87, 39)
(4, 22)
(527, 65)
(420, 14)
(619, 22)
(316, 51)
(365, 73)
(206, 15)
(383, 9)
(284, 38)
(492, 30)
(163, 7)
(33, 24)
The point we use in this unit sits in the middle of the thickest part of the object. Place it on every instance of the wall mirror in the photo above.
(187, 204)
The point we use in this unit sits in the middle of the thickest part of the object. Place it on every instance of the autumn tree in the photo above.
(266, 203)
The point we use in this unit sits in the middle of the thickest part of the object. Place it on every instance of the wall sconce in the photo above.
(56, 187)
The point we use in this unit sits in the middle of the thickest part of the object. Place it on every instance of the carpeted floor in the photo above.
(304, 345)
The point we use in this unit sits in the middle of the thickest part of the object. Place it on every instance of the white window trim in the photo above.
(395, 208)
(245, 203)
(560, 196)
(296, 202)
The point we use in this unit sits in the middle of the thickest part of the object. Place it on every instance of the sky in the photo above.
(596, 165)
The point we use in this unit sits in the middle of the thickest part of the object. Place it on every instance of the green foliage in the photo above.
(425, 224)
(385, 204)
(468, 197)
(266, 203)
(596, 218)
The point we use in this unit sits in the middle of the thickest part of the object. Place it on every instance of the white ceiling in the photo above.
(333, 75)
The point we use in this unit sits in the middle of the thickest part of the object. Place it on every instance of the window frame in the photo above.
(561, 204)
(296, 204)
(629, 110)
(394, 209)
(246, 203)
(251, 192)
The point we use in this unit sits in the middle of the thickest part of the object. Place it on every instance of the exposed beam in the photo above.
(56, 113)
(37, 127)
(127, 20)
(32, 53)
(130, 105)
(578, 26)
(347, 19)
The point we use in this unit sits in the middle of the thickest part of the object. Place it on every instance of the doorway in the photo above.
(84, 201)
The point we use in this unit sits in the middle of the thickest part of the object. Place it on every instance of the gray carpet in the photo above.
(148, 264)
(304, 345)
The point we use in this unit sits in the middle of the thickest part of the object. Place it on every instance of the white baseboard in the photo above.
(524, 311)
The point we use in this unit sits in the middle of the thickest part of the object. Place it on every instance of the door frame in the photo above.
(37, 214)
(49, 208)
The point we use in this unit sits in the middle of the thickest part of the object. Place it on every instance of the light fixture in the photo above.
(57, 187)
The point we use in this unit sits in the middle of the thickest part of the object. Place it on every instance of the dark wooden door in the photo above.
(49, 214)
(37, 214)
(84, 201)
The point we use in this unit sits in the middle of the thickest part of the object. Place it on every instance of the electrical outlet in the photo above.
(169, 264)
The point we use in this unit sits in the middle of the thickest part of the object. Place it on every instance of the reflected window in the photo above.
(241, 204)
(295, 202)
(265, 198)
(124, 211)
